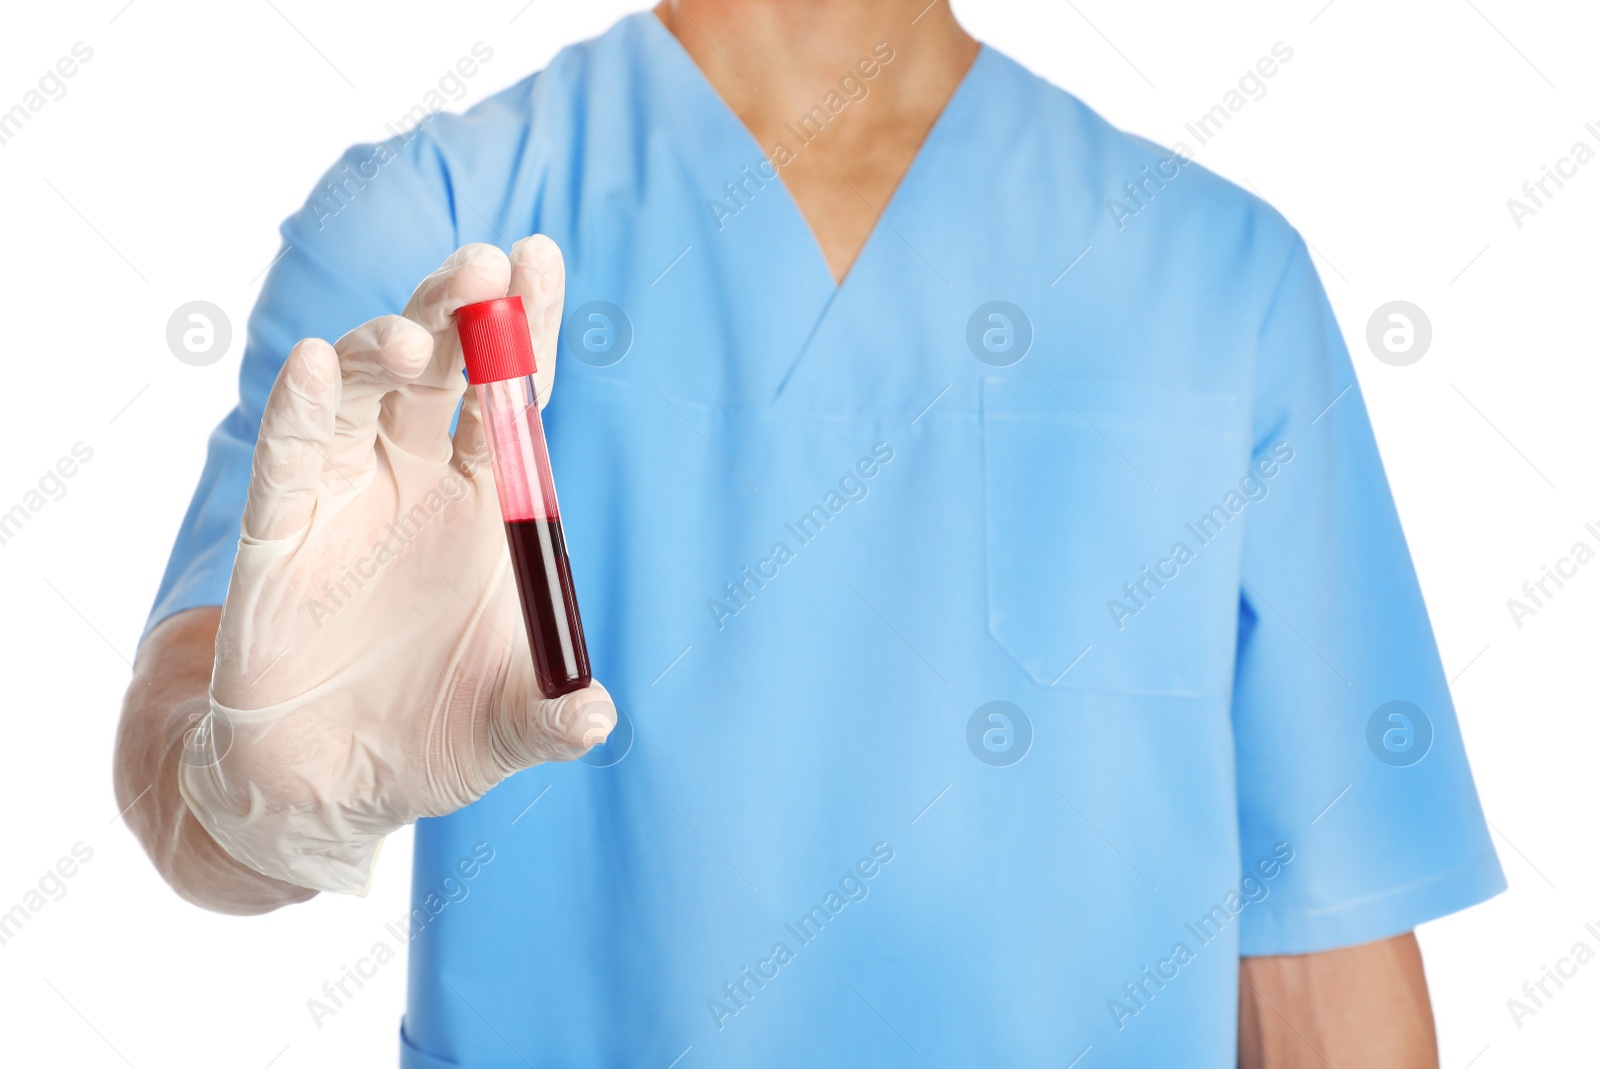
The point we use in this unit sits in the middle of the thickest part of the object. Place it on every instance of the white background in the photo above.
(1392, 140)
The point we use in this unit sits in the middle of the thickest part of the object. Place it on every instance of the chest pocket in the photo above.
(1113, 518)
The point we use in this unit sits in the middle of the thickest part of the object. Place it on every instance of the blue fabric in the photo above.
(815, 535)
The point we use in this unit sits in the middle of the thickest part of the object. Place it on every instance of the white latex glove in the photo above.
(372, 665)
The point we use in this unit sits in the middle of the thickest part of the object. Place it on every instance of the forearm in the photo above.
(1358, 1006)
(173, 672)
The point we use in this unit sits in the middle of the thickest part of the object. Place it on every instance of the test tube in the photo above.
(500, 365)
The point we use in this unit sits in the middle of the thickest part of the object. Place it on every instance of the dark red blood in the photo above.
(549, 605)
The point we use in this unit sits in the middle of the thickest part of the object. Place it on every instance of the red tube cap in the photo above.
(495, 340)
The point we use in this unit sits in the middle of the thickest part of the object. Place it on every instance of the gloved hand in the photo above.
(372, 665)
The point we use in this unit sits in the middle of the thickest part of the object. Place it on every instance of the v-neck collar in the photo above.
(675, 54)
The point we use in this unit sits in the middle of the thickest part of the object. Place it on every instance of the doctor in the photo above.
(1010, 650)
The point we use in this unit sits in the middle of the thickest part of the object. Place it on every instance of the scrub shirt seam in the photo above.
(1331, 927)
(428, 143)
(1296, 245)
(1476, 864)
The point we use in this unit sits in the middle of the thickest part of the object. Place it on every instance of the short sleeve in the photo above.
(375, 225)
(1348, 751)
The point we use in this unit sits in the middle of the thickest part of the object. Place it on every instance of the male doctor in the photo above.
(1011, 654)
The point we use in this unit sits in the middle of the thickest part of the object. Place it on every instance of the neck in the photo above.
(841, 93)
(772, 58)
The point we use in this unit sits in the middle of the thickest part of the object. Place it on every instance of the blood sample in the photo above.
(500, 365)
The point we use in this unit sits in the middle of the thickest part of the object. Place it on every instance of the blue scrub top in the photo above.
(1006, 640)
